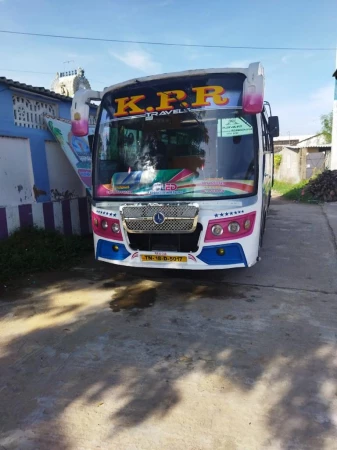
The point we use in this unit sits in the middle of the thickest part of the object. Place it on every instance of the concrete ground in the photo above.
(242, 359)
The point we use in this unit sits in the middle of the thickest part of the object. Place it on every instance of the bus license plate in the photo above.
(160, 258)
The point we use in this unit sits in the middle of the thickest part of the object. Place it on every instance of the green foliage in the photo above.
(33, 250)
(277, 160)
(326, 122)
(295, 192)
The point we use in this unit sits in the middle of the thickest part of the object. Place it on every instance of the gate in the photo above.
(315, 163)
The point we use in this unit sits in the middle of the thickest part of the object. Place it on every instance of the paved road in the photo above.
(230, 360)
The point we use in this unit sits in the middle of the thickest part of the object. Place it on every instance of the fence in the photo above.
(67, 216)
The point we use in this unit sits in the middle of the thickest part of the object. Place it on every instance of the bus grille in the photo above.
(178, 218)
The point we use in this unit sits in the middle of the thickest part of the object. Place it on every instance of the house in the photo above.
(38, 185)
(301, 161)
(282, 141)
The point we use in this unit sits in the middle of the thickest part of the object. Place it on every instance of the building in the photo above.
(67, 83)
(282, 141)
(38, 185)
(303, 160)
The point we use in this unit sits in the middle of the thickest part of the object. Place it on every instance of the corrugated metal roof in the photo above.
(314, 141)
(292, 138)
(34, 89)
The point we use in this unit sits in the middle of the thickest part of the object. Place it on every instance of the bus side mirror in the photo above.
(79, 119)
(273, 125)
(80, 110)
(253, 90)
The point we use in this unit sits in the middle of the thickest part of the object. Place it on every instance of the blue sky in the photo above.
(299, 85)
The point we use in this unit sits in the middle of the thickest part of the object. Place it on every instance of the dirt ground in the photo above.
(224, 360)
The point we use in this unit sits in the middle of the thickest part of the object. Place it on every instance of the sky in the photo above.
(299, 84)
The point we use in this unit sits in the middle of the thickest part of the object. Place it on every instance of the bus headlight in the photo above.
(234, 227)
(115, 228)
(104, 224)
(217, 230)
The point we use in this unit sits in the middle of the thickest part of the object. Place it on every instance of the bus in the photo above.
(182, 168)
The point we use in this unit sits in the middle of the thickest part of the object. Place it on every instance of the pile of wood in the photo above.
(324, 186)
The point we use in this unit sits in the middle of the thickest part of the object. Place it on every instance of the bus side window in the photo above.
(267, 145)
(268, 171)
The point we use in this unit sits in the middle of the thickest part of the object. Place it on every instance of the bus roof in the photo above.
(186, 73)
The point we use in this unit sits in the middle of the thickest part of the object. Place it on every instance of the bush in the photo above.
(33, 250)
(277, 160)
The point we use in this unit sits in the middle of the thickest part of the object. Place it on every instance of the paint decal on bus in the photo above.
(177, 182)
(75, 148)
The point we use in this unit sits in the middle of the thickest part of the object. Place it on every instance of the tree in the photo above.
(326, 122)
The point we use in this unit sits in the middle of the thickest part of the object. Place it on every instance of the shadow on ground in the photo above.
(134, 337)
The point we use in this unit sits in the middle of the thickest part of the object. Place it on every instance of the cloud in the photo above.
(138, 59)
(239, 64)
(285, 59)
(303, 117)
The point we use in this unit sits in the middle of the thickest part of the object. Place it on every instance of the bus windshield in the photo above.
(186, 148)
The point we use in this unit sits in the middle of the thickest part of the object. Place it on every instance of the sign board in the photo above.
(233, 126)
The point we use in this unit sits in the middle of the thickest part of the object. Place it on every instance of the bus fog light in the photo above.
(233, 227)
(217, 230)
(115, 227)
(104, 224)
(247, 224)
(115, 248)
(221, 251)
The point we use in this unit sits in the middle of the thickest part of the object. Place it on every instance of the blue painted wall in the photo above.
(36, 137)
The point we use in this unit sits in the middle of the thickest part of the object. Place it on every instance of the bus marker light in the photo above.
(217, 230)
(104, 224)
(115, 248)
(221, 251)
(115, 227)
(96, 222)
(234, 227)
(247, 224)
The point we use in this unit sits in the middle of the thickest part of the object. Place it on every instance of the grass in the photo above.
(293, 191)
(34, 250)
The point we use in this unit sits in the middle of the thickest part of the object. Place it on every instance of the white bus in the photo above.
(182, 168)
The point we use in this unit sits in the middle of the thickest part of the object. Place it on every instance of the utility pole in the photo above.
(333, 160)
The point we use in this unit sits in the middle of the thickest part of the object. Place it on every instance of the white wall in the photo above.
(62, 176)
(289, 169)
(16, 172)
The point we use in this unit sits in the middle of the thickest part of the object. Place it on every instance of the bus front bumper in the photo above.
(220, 256)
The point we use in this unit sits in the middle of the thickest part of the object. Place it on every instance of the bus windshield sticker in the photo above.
(233, 126)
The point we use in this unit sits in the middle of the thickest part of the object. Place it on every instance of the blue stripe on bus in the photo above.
(105, 250)
(234, 254)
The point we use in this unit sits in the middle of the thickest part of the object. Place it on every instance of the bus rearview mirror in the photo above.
(274, 128)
